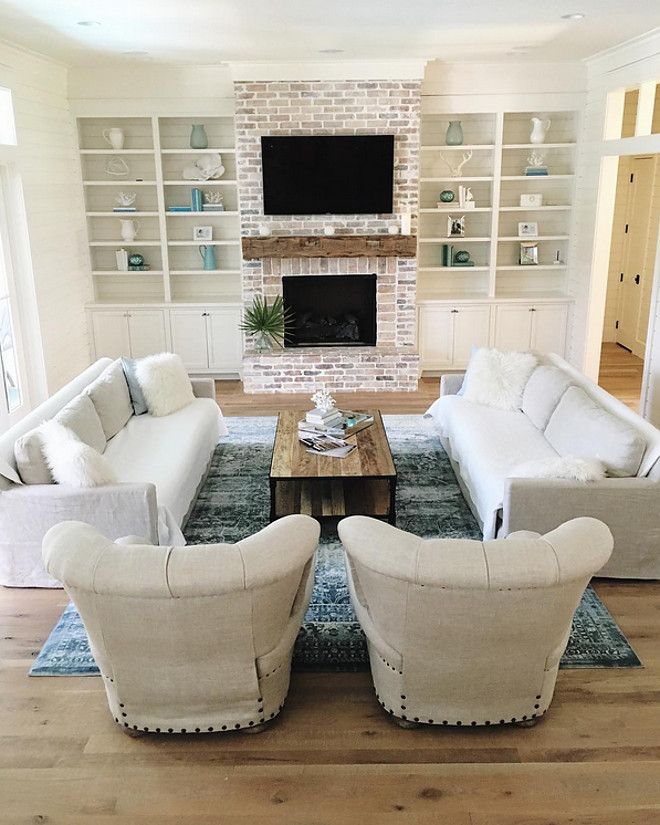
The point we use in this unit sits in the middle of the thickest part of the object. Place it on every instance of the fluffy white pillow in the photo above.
(567, 466)
(497, 379)
(71, 461)
(165, 383)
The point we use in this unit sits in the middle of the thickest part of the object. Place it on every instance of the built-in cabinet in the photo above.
(207, 338)
(447, 332)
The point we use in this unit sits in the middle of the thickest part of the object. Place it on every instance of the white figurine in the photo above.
(456, 168)
(323, 400)
(125, 199)
(206, 167)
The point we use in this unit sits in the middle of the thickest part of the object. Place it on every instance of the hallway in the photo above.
(621, 374)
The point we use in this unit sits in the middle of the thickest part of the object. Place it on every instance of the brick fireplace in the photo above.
(332, 107)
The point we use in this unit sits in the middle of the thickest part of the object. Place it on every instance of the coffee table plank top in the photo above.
(372, 459)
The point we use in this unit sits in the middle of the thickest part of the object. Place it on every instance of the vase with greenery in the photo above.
(267, 323)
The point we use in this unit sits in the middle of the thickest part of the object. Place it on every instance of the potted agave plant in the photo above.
(267, 323)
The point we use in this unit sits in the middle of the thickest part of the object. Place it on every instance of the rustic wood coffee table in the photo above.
(363, 483)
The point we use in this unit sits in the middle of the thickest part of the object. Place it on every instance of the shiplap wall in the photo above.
(50, 175)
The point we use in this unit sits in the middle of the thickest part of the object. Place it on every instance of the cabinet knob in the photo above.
(532, 309)
(454, 310)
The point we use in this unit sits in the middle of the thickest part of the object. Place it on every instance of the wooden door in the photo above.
(471, 329)
(435, 336)
(631, 326)
(225, 339)
(189, 337)
(147, 331)
(110, 333)
(549, 323)
(513, 326)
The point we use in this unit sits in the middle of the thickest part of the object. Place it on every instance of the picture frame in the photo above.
(528, 229)
(202, 233)
(531, 201)
(455, 226)
(529, 254)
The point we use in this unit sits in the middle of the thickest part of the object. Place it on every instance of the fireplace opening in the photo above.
(330, 310)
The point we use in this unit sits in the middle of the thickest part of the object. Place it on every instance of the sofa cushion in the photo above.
(134, 388)
(579, 426)
(171, 452)
(109, 394)
(488, 444)
(81, 417)
(30, 460)
(542, 393)
(71, 461)
(497, 379)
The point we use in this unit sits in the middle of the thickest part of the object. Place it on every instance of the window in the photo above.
(9, 379)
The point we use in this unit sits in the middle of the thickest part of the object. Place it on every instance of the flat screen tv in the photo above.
(328, 174)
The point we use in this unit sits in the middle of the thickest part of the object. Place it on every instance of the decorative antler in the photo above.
(455, 169)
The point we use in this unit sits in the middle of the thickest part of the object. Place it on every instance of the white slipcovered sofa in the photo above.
(563, 414)
(190, 640)
(160, 463)
(467, 632)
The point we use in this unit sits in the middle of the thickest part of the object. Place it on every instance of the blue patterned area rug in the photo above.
(234, 502)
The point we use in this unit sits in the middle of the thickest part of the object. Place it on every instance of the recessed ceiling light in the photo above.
(136, 54)
(88, 23)
(575, 17)
(331, 51)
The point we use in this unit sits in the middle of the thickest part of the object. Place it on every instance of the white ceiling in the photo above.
(212, 31)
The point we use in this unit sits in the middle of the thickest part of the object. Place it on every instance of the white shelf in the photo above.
(226, 151)
(456, 180)
(113, 272)
(199, 183)
(536, 177)
(122, 242)
(538, 145)
(456, 239)
(203, 243)
(479, 147)
(205, 272)
(110, 151)
(122, 215)
(535, 238)
(208, 213)
(530, 267)
(456, 208)
(122, 182)
(454, 269)
(564, 208)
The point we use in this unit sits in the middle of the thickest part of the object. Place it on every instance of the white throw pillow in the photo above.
(71, 461)
(109, 394)
(567, 466)
(497, 379)
(165, 383)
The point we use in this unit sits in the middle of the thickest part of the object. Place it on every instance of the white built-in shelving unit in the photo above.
(497, 300)
(177, 304)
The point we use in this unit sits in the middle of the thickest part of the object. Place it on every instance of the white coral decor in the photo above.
(323, 400)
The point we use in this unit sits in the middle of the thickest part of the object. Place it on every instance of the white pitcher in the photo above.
(129, 230)
(114, 137)
(539, 128)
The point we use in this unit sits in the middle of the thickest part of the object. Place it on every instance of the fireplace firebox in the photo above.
(330, 310)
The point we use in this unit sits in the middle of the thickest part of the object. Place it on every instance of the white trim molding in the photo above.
(329, 70)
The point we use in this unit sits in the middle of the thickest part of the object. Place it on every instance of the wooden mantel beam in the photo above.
(330, 246)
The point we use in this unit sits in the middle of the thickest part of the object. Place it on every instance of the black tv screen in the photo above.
(328, 174)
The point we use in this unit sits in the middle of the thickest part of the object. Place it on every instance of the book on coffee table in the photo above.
(349, 423)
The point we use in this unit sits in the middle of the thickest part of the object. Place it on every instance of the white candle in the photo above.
(406, 223)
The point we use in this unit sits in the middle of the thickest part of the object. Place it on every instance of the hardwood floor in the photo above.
(333, 757)
(621, 374)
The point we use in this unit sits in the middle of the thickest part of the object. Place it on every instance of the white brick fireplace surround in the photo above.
(332, 107)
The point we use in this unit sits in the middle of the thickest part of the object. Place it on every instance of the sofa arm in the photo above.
(450, 383)
(630, 507)
(203, 387)
(115, 510)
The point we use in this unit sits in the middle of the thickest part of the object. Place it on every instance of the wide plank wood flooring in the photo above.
(333, 758)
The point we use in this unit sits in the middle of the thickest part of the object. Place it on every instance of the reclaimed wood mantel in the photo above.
(330, 246)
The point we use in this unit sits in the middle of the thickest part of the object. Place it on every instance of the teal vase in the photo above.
(454, 135)
(446, 196)
(198, 138)
(208, 257)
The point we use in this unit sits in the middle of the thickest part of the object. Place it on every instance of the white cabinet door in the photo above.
(189, 337)
(471, 329)
(513, 326)
(110, 332)
(225, 339)
(549, 328)
(147, 329)
(435, 336)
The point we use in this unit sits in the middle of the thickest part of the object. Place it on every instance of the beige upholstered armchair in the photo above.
(468, 632)
(190, 639)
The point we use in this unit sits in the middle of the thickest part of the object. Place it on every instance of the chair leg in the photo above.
(406, 724)
(258, 728)
(134, 734)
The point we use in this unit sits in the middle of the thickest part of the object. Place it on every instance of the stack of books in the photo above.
(324, 419)
(349, 423)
